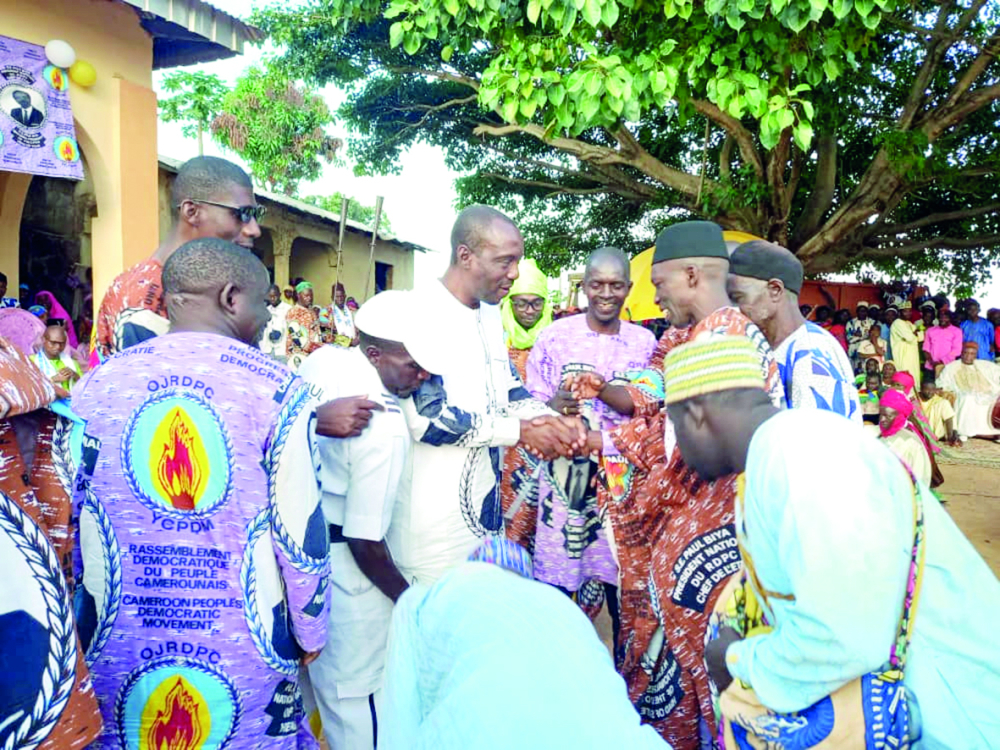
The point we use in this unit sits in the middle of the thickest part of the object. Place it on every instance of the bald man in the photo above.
(204, 547)
(210, 197)
(674, 536)
(571, 549)
(765, 280)
(464, 418)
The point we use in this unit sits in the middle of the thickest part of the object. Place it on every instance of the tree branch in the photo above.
(953, 243)
(939, 218)
(744, 139)
(936, 51)
(601, 155)
(439, 74)
(821, 198)
(726, 158)
(556, 189)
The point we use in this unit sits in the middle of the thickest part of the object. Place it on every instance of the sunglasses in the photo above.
(243, 213)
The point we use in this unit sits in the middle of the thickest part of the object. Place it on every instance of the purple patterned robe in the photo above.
(204, 549)
(570, 543)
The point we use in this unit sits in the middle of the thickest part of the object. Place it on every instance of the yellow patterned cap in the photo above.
(718, 363)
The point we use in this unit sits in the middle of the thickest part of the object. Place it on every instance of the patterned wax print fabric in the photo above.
(461, 422)
(203, 545)
(304, 336)
(981, 332)
(816, 373)
(132, 310)
(570, 542)
(818, 532)
(518, 491)
(483, 631)
(341, 326)
(673, 535)
(857, 331)
(46, 697)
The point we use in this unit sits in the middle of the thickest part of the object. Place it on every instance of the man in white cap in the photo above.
(359, 478)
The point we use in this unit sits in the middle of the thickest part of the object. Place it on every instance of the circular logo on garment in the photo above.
(99, 598)
(176, 703)
(55, 77)
(264, 605)
(177, 455)
(65, 149)
(39, 679)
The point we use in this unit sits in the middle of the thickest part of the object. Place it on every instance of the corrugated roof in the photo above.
(191, 31)
(308, 209)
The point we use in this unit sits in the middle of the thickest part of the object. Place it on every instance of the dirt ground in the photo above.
(973, 499)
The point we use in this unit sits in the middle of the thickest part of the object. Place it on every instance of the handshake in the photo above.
(554, 437)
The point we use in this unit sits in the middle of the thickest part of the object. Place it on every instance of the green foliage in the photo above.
(586, 119)
(276, 125)
(197, 98)
(355, 211)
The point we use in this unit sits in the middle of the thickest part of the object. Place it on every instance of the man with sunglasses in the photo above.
(211, 197)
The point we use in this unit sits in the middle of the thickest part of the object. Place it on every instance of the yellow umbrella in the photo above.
(639, 304)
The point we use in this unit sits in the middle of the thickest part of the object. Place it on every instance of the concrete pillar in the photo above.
(13, 190)
(282, 239)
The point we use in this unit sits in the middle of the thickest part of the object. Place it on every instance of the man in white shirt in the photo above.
(272, 342)
(359, 478)
(463, 419)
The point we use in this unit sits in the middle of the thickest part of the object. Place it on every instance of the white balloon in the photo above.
(60, 54)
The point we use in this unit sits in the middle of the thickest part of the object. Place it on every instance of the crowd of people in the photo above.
(247, 510)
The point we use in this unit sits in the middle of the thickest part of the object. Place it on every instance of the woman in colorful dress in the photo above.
(304, 335)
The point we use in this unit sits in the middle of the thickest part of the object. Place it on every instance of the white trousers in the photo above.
(349, 723)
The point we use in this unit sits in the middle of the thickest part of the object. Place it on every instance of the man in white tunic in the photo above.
(359, 478)
(463, 420)
(976, 383)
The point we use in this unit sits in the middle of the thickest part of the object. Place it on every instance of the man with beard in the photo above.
(570, 546)
(204, 549)
(673, 532)
(463, 418)
(210, 197)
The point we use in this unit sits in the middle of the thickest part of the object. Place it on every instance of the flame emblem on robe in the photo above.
(618, 475)
(179, 461)
(178, 720)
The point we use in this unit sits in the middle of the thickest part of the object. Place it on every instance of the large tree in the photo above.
(851, 131)
(197, 99)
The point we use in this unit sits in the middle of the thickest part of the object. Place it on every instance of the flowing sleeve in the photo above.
(800, 517)
(904, 331)
(298, 528)
(432, 420)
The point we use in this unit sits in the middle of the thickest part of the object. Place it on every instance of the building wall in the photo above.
(115, 126)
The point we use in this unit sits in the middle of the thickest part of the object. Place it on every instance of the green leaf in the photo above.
(588, 107)
(451, 6)
(509, 109)
(593, 83)
(609, 13)
(614, 87)
(411, 44)
(557, 94)
(528, 108)
(592, 12)
(568, 21)
(786, 118)
(807, 108)
(842, 8)
(658, 81)
(832, 68)
(534, 9)
(724, 88)
(803, 134)
(395, 34)
(799, 61)
(447, 52)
